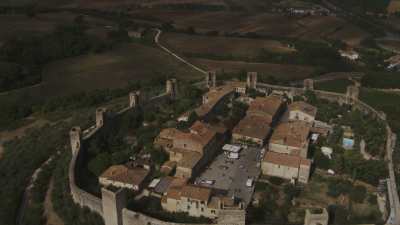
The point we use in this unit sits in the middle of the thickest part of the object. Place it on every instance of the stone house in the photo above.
(252, 128)
(270, 107)
(190, 150)
(197, 201)
(291, 138)
(124, 177)
(286, 166)
(302, 111)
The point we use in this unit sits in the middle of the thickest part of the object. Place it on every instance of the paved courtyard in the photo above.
(231, 174)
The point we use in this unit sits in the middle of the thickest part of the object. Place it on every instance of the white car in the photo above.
(249, 182)
(209, 182)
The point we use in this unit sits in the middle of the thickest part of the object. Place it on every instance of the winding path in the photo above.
(156, 40)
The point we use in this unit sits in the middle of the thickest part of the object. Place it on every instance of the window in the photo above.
(188, 207)
(202, 209)
(213, 211)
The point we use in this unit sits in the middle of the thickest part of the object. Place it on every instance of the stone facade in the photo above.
(113, 203)
(316, 217)
(308, 85)
(252, 80)
(100, 117)
(172, 88)
(134, 99)
(211, 79)
(75, 139)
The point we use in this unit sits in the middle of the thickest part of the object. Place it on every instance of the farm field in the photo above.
(12, 25)
(310, 28)
(109, 70)
(241, 47)
(278, 71)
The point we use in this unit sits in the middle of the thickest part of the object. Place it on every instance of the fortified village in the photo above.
(271, 140)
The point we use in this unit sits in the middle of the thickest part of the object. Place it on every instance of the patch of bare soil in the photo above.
(51, 215)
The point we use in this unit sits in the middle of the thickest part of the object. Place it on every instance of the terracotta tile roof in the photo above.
(178, 182)
(253, 126)
(303, 107)
(123, 174)
(203, 131)
(189, 159)
(305, 162)
(196, 192)
(175, 187)
(174, 194)
(282, 159)
(219, 128)
(199, 133)
(214, 96)
(169, 133)
(265, 106)
(294, 133)
(168, 166)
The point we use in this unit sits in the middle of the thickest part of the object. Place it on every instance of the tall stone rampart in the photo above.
(79, 196)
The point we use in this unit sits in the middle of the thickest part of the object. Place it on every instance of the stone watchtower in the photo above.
(113, 202)
(100, 117)
(211, 79)
(316, 217)
(75, 138)
(134, 99)
(251, 80)
(172, 88)
(308, 84)
(352, 94)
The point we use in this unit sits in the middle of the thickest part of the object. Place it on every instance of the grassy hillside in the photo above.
(114, 69)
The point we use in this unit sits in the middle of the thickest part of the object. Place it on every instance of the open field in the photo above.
(113, 69)
(268, 24)
(279, 71)
(113, 3)
(13, 25)
(242, 47)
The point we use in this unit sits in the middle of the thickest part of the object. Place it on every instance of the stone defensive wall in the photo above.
(114, 212)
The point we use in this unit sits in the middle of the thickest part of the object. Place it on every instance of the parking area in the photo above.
(231, 174)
